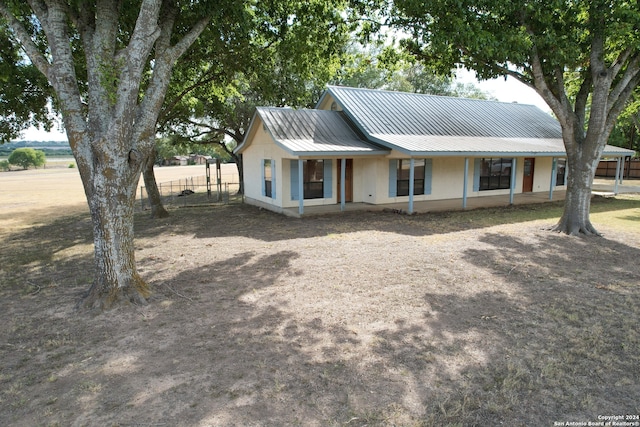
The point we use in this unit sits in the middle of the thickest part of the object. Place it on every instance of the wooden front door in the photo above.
(527, 181)
(348, 181)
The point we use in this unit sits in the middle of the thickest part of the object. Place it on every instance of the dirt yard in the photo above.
(359, 319)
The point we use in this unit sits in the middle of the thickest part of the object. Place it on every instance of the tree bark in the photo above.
(240, 167)
(111, 126)
(157, 208)
(575, 218)
(110, 183)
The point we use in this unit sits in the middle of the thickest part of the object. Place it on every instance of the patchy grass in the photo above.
(460, 318)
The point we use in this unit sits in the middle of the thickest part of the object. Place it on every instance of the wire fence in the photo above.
(192, 191)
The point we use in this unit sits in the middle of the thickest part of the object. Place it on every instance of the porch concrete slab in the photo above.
(601, 186)
(432, 205)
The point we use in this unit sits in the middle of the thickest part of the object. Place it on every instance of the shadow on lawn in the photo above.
(53, 254)
(249, 221)
(220, 345)
(559, 342)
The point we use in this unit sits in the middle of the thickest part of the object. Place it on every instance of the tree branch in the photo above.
(626, 81)
(30, 48)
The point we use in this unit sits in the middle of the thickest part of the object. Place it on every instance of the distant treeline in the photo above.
(50, 148)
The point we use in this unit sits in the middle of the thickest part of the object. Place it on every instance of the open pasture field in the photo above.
(360, 319)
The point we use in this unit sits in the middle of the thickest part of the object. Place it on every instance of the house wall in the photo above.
(370, 177)
(262, 147)
(447, 179)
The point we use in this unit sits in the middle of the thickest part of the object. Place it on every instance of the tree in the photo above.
(109, 66)
(25, 96)
(295, 48)
(27, 157)
(627, 129)
(582, 57)
(392, 69)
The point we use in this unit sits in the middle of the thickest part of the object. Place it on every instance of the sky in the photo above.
(509, 90)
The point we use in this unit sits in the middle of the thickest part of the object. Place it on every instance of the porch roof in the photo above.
(316, 133)
(438, 145)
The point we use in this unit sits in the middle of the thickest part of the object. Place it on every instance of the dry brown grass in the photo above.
(466, 318)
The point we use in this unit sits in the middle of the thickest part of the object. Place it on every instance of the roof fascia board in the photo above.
(485, 154)
(241, 147)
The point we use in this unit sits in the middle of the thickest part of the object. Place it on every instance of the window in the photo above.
(316, 179)
(561, 172)
(268, 173)
(313, 179)
(495, 174)
(402, 183)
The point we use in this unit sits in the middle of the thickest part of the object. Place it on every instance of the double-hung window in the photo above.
(561, 172)
(316, 178)
(402, 183)
(400, 175)
(268, 175)
(313, 179)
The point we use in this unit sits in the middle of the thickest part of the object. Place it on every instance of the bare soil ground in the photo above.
(359, 319)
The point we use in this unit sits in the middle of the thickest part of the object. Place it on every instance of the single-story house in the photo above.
(375, 147)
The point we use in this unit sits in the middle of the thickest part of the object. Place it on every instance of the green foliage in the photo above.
(277, 53)
(499, 37)
(391, 68)
(26, 157)
(25, 93)
(4, 165)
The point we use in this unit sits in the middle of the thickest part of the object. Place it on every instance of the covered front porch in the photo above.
(430, 206)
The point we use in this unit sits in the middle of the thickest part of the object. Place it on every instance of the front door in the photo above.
(348, 181)
(527, 181)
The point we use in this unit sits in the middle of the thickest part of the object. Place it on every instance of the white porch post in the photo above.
(465, 183)
(554, 177)
(412, 163)
(615, 184)
(300, 186)
(343, 186)
(512, 185)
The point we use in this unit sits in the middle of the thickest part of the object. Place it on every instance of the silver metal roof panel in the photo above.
(315, 132)
(379, 112)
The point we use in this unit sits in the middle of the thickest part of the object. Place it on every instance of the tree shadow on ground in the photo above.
(56, 254)
(556, 341)
(526, 330)
(252, 222)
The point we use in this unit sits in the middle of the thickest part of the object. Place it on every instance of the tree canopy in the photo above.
(582, 57)
(25, 94)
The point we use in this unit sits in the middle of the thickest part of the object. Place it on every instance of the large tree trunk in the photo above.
(150, 184)
(581, 167)
(575, 218)
(111, 126)
(110, 185)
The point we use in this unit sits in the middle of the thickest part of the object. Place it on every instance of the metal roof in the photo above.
(379, 112)
(372, 122)
(315, 132)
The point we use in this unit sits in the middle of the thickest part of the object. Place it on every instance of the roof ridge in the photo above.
(417, 94)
